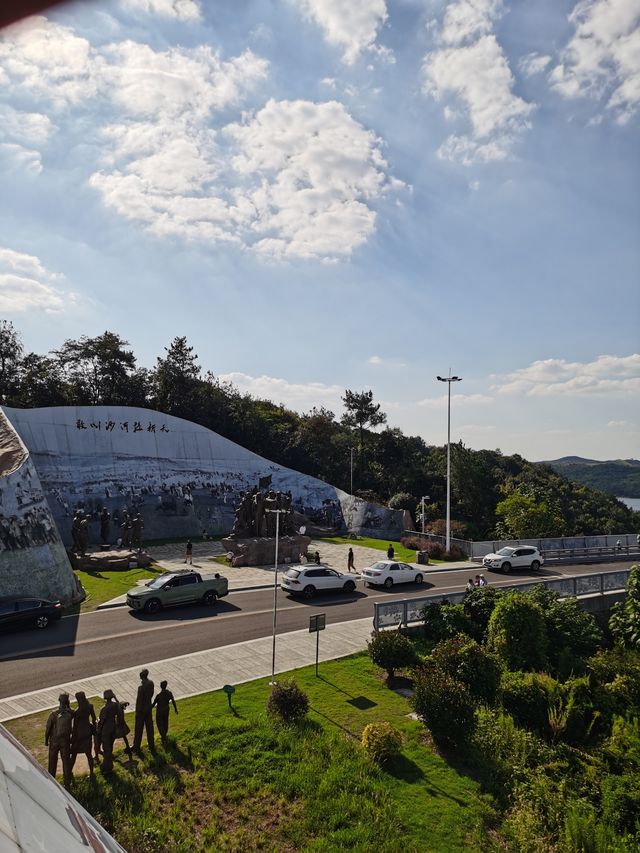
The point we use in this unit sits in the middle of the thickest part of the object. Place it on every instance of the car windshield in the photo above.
(378, 566)
(157, 583)
(505, 552)
(293, 573)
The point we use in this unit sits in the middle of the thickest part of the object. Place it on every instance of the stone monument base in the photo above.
(110, 560)
(261, 550)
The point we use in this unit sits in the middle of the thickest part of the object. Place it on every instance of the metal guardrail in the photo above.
(593, 552)
(388, 614)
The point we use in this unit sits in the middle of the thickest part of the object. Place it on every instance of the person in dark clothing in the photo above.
(350, 564)
(390, 552)
(144, 715)
(316, 558)
(84, 729)
(107, 722)
(188, 555)
(162, 703)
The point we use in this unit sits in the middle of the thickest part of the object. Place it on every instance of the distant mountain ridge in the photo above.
(620, 477)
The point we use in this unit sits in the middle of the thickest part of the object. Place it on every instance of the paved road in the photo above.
(103, 641)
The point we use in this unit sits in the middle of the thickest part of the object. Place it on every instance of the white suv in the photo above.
(522, 557)
(307, 580)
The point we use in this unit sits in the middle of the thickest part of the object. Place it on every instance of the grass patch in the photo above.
(102, 585)
(234, 780)
(406, 555)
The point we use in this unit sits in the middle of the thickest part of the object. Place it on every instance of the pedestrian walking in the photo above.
(316, 558)
(162, 704)
(188, 556)
(350, 564)
(144, 716)
(390, 552)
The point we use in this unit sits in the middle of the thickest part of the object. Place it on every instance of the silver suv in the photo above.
(521, 557)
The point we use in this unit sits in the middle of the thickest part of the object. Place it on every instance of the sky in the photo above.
(325, 195)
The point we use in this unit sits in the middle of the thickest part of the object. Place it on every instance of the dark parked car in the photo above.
(39, 612)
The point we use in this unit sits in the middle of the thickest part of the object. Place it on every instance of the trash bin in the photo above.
(422, 558)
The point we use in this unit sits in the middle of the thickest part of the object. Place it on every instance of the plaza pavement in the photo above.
(171, 557)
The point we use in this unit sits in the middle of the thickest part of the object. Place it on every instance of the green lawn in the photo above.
(236, 781)
(103, 585)
(407, 555)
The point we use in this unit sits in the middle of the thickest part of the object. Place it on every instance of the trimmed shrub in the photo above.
(517, 632)
(454, 553)
(402, 500)
(444, 705)
(529, 697)
(414, 543)
(479, 605)
(443, 621)
(476, 667)
(381, 742)
(288, 702)
(391, 650)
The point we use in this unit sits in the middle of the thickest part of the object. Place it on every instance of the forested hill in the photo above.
(617, 476)
(492, 495)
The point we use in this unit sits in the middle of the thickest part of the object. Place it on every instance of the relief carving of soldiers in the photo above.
(105, 524)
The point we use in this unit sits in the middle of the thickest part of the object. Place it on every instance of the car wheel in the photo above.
(349, 586)
(153, 605)
(506, 568)
(418, 579)
(210, 598)
(388, 583)
(309, 591)
(42, 621)
(535, 566)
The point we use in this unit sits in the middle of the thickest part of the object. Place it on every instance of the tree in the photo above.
(517, 632)
(10, 355)
(361, 411)
(524, 516)
(41, 382)
(625, 618)
(176, 378)
(97, 370)
(391, 650)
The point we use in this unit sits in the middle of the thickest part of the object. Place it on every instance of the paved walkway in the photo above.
(201, 672)
(171, 557)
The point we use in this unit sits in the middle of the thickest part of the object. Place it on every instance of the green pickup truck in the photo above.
(179, 587)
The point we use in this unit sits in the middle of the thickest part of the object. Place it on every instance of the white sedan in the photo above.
(307, 580)
(387, 573)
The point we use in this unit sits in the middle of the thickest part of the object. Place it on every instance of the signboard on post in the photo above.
(317, 623)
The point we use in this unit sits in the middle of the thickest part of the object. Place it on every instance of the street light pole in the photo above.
(275, 595)
(448, 379)
(422, 500)
(351, 492)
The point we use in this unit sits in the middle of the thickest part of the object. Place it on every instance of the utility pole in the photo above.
(449, 380)
(278, 512)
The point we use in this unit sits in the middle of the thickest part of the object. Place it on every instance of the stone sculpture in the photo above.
(84, 727)
(144, 716)
(57, 737)
(105, 525)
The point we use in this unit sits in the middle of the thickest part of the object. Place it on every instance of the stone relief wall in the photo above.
(184, 479)
(33, 559)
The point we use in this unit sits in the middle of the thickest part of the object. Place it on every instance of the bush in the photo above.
(528, 697)
(479, 605)
(381, 742)
(454, 553)
(413, 543)
(442, 621)
(517, 632)
(288, 702)
(444, 705)
(391, 650)
(621, 803)
(476, 667)
(580, 712)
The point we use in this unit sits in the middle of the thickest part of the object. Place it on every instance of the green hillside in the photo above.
(617, 476)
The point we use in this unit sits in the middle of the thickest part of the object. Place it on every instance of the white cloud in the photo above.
(352, 26)
(533, 63)
(18, 131)
(188, 10)
(25, 285)
(456, 400)
(299, 397)
(618, 424)
(602, 58)
(377, 361)
(606, 375)
(471, 67)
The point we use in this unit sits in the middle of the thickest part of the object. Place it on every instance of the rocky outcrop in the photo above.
(261, 551)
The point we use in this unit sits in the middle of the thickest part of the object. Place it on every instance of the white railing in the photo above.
(388, 614)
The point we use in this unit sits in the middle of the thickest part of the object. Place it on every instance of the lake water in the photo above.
(633, 503)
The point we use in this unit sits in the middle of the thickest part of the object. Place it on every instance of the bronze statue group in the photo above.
(255, 514)
(130, 528)
(78, 731)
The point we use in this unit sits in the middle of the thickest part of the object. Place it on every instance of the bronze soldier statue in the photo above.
(57, 737)
(161, 703)
(258, 513)
(105, 524)
(84, 728)
(144, 716)
(107, 724)
(271, 503)
(137, 526)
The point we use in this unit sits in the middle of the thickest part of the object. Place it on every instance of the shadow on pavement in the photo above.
(188, 613)
(26, 641)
